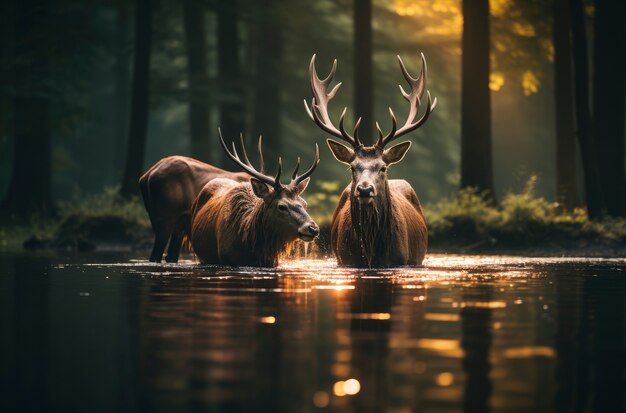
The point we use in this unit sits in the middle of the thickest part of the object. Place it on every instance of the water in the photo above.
(463, 333)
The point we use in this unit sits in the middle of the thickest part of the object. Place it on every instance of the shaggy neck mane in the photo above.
(372, 224)
(249, 220)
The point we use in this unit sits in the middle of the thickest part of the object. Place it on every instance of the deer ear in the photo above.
(396, 153)
(341, 153)
(302, 185)
(260, 189)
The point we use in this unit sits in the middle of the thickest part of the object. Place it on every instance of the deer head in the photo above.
(368, 164)
(285, 208)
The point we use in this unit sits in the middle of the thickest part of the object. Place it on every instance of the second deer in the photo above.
(378, 222)
(251, 223)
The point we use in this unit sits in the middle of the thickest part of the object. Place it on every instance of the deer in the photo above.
(251, 223)
(378, 222)
(168, 190)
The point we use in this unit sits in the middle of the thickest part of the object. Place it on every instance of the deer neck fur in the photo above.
(372, 224)
(249, 220)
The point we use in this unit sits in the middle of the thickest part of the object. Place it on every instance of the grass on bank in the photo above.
(464, 222)
(469, 222)
(81, 216)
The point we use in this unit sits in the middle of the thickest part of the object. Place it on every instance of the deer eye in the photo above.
(282, 207)
(383, 169)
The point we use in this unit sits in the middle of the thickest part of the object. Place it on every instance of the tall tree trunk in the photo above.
(566, 171)
(140, 98)
(198, 80)
(593, 192)
(609, 101)
(267, 96)
(476, 157)
(122, 81)
(229, 72)
(29, 190)
(363, 85)
(7, 77)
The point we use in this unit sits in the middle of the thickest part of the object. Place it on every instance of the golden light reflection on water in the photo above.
(445, 379)
(441, 317)
(364, 316)
(529, 351)
(483, 304)
(360, 329)
(348, 387)
(321, 399)
(334, 287)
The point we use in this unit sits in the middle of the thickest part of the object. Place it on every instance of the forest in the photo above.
(526, 142)
(479, 267)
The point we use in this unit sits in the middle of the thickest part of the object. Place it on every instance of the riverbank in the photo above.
(465, 223)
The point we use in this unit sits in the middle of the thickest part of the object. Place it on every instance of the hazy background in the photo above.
(90, 74)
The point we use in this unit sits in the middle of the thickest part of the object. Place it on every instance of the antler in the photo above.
(295, 178)
(414, 98)
(274, 181)
(319, 106)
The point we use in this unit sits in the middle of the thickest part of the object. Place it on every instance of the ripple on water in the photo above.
(310, 333)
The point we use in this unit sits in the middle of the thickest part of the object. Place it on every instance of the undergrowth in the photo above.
(78, 209)
(469, 220)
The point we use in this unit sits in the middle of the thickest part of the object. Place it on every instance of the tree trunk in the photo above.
(593, 192)
(30, 186)
(122, 82)
(7, 77)
(609, 101)
(566, 171)
(363, 85)
(229, 73)
(198, 80)
(140, 98)
(476, 158)
(267, 96)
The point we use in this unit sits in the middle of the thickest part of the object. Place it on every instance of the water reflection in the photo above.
(476, 341)
(460, 334)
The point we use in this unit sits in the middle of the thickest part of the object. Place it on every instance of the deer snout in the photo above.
(365, 189)
(309, 231)
(314, 229)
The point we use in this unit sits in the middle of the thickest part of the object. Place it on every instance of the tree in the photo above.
(122, 79)
(476, 157)
(580, 58)
(609, 101)
(30, 186)
(566, 171)
(268, 37)
(363, 85)
(138, 128)
(229, 71)
(198, 81)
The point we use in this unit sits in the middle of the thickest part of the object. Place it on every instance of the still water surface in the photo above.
(463, 333)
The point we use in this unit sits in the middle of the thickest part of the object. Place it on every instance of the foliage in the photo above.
(469, 221)
(108, 202)
(322, 199)
(79, 214)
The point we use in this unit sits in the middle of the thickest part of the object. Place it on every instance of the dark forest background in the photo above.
(93, 93)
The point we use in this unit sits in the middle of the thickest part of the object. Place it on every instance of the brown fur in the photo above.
(232, 226)
(389, 232)
(168, 190)
(377, 223)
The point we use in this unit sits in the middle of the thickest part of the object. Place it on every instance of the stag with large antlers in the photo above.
(251, 223)
(378, 222)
